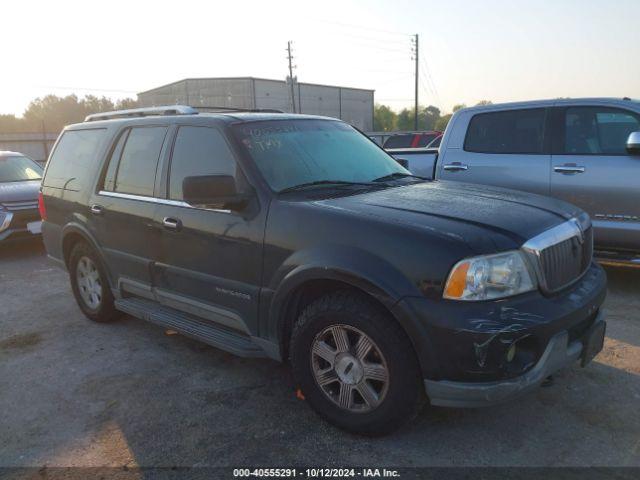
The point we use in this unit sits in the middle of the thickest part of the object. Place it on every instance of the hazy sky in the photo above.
(491, 49)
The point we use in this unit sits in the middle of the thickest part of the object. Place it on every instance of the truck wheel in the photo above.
(355, 365)
(90, 284)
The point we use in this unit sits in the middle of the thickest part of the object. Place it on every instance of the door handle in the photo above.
(96, 209)
(455, 167)
(569, 169)
(171, 223)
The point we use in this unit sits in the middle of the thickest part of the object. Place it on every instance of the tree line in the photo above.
(429, 118)
(51, 113)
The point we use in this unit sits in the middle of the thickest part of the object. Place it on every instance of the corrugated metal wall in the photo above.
(319, 100)
(350, 104)
(357, 108)
(272, 94)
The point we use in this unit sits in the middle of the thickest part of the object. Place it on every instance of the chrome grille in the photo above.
(561, 255)
(17, 206)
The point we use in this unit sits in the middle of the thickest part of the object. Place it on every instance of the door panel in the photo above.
(210, 260)
(210, 265)
(504, 148)
(593, 171)
(128, 238)
(529, 173)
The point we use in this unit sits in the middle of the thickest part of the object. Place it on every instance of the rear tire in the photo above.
(90, 284)
(355, 365)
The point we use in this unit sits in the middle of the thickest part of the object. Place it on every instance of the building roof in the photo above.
(252, 78)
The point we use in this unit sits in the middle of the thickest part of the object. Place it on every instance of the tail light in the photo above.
(41, 207)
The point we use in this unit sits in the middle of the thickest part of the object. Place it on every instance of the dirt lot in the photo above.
(79, 393)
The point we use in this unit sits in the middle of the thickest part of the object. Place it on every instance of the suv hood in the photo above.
(19, 191)
(466, 211)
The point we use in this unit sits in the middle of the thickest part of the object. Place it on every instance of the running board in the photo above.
(190, 326)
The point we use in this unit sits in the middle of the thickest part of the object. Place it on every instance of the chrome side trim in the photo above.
(161, 201)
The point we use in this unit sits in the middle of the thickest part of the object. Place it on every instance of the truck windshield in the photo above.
(300, 152)
(19, 169)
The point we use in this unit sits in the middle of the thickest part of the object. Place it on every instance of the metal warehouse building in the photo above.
(352, 105)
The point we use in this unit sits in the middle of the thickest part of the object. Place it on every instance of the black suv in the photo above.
(297, 238)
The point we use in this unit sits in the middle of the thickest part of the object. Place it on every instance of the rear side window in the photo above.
(512, 131)
(199, 151)
(399, 141)
(424, 140)
(436, 143)
(73, 163)
(140, 152)
(598, 130)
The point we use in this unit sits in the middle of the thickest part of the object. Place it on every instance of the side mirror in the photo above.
(633, 143)
(215, 191)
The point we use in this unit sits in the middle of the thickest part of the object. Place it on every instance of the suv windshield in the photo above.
(19, 169)
(300, 152)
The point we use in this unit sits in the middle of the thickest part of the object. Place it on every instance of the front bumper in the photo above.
(16, 225)
(559, 353)
(463, 347)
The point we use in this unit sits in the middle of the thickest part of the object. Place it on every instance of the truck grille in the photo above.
(561, 255)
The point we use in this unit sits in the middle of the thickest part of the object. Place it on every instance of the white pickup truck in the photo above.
(584, 151)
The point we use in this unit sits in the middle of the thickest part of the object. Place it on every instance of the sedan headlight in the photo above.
(489, 277)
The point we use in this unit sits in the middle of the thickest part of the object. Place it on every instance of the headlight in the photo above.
(489, 277)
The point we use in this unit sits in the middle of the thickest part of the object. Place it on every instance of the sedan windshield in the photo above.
(290, 153)
(19, 169)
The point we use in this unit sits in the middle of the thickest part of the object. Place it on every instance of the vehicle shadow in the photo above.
(16, 251)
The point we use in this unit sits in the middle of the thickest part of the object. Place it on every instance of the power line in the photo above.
(430, 78)
(364, 28)
(385, 41)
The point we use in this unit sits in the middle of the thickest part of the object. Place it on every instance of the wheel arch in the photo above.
(305, 286)
(74, 233)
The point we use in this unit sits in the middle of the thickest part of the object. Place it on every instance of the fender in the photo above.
(350, 265)
(78, 228)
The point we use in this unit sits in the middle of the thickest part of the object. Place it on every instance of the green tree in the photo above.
(484, 102)
(405, 120)
(427, 118)
(56, 112)
(126, 103)
(442, 122)
(384, 119)
(430, 117)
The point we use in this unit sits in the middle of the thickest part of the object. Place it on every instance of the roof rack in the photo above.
(171, 110)
(237, 109)
(143, 112)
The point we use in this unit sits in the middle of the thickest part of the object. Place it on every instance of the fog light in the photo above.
(511, 353)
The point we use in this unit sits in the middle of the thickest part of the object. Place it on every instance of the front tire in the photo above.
(355, 365)
(90, 284)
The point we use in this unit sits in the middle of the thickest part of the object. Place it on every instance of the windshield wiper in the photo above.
(395, 175)
(302, 186)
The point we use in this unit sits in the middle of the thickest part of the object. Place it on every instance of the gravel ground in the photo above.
(77, 393)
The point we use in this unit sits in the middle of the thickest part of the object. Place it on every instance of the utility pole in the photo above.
(415, 54)
(291, 67)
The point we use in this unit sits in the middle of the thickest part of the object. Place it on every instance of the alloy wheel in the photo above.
(89, 285)
(349, 368)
